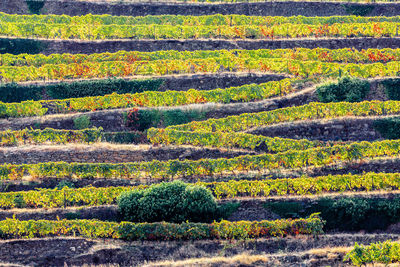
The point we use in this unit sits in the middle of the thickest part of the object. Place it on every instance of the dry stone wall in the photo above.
(346, 129)
(91, 154)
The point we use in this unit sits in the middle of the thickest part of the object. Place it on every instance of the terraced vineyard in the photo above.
(248, 133)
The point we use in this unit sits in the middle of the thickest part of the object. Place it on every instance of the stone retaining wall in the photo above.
(91, 154)
(345, 129)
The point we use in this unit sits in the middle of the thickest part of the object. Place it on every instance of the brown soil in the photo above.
(79, 251)
(252, 210)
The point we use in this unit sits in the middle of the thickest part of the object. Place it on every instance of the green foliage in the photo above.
(19, 201)
(346, 89)
(291, 209)
(345, 214)
(12, 92)
(35, 6)
(382, 252)
(20, 46)
(225, 210)
(178, 116)
(313, 110)
(134, 137)
(311, 63)
(389, 128)
(392, 87)
(244, 93)
(205, 167)
(13, 228)
(141, 120)
(49, 135)
(229, 140)
(188, 27)
(172, 202)
(359, 10)
(90, 196)
(82, 122)
(65, 183)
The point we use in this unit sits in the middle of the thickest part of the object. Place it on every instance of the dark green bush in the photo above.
(13, 92)
(141, 120)
(129, 204)
(345, 214)
(125, 137)
(389, 128)
(35, 6)
(21, 46)
(392, 87)
(171, 202)
(359, 9)
(82, 122)
(65, 183)
(101, 87)
(346, 89)
(19, 201)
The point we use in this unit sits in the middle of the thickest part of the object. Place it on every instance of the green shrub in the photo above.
(12, 92)
(101, 87)
(359, 10)
(382, 252)
(225, 210)
(82, 122)
(389, 128)
(21, 46)
(141, 120)
(134, 137)
(65, 183)
(35, 6)
(171, 202)
(129, 205)
(178, 116)
(392, 88)
(346, 89)
(345, 214)
(19, 201)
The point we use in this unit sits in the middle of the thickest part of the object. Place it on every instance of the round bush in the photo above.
(171, 202)
(346, 89)
(129, 205)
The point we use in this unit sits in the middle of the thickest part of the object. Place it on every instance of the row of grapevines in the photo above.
(66, 197)
(38, 60)
(172, 169)
(286, 30)
(211, 65)
(23, 109)
(244, 93)
(345, 55)
(230, 140)
(13, 228)
(376, 253)
(174, 20)
(92, 196)
(312, 110)
(31, 136)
